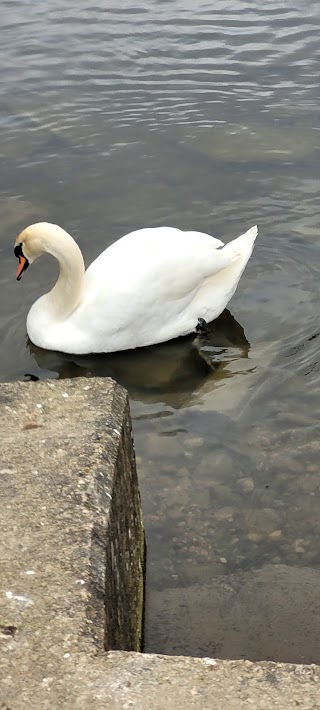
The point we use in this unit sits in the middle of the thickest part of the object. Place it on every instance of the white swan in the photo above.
(150, 286)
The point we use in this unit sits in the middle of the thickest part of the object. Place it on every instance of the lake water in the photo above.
(204, 116)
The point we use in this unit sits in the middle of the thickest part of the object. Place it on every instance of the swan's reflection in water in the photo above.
(170, 372)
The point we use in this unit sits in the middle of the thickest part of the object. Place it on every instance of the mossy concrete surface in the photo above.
(71, 555)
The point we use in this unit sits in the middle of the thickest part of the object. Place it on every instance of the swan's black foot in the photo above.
(202, 327)
(32, 378)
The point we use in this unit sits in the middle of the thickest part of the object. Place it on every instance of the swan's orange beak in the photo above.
(22, 266)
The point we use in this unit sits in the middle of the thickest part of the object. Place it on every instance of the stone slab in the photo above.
(72, 542)
(135, 681)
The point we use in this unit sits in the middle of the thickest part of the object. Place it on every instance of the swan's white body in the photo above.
(150, 286)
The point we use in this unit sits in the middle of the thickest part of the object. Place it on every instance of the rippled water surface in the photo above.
(204, 116)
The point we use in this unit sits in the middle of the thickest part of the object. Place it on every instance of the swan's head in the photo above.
(32, 242)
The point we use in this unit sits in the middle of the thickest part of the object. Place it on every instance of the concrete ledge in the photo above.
(135, 681)
(71, 553)
(72, 542)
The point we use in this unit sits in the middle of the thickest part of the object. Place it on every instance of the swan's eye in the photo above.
(18, 250)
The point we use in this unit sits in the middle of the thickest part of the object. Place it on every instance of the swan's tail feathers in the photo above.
(242, 246)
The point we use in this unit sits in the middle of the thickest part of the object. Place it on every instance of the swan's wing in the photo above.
(163, 262)
(140, 283)
(153, 285)
(214, 241)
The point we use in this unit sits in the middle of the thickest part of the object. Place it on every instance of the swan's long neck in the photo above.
(65, 296)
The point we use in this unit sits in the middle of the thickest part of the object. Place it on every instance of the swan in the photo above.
(150, 286)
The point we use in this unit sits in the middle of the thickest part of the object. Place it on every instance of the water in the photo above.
(203, 116)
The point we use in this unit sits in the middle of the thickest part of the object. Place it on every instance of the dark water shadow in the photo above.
(157, 372)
